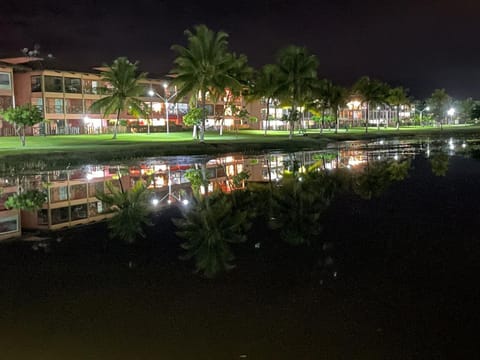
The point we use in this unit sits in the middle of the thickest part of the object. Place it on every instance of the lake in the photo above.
(402, 280)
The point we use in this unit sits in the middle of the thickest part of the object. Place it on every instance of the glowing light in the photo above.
(451, 111)
(155, 202)
(89, 176)
(185, 202)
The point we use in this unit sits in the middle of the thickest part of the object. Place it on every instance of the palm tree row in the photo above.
(206, 68)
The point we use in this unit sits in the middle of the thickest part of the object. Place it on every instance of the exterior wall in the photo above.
(67, 110)
(10, 226)
(7, 99)
(71, 198)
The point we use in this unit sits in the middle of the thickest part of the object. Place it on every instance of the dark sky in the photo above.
(419, 44)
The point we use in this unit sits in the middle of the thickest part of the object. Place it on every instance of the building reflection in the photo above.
(71, 193)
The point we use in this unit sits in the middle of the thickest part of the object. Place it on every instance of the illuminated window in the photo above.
(5, 83)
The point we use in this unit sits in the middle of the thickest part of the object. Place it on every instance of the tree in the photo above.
(206, 65)
(21, 117)
(372, 92)
(194, 118)
(397, 97)
(475, 114)
(438, 102)
(30, 200)
(466, 108)
(122, 92)
(319, 102)
(439, 163)
(298, 74)
(265, 87)
(209, 228)
(377, 177)
(298, 205)
(337, 97)
(131, 211)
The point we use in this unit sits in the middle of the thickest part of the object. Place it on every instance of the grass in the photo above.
(78, 149)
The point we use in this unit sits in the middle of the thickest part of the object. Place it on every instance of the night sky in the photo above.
(419, 44)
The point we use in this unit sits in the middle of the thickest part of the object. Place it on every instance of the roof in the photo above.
(20, 60)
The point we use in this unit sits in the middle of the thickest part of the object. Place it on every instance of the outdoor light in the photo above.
(185, 202)
(89, 176)
(464, 145)
(155, 202)
(165, 99)
(451, 111)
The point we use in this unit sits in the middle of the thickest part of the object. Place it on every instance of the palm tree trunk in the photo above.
(322, 124)
(378, 121)
(266, 116)
(22, 137)
(204, 118)
(115, 128)
(337, 123)
(366, 118)
(398, 119)
(292, 114)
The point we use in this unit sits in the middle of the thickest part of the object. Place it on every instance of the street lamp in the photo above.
(165, 99)
(421, 113)
(450, 113)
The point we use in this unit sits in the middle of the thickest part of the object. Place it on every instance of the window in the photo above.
(73, 85)
(58, 194)
(96, 208)
(79, 212)
(8, 224)
(88, 105)
(91, 86)
(38, 102)
(5, 102)
(53, 83)
(95, 188)
(78, 191)
(55, 106)
(60, 215)
(73, 106)
(42, 217)
(36, 83)
(5, 83)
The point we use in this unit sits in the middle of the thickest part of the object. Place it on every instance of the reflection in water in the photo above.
(71, 192)
(439, 163)
(408, 264)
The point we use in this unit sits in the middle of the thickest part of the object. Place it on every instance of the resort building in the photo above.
(7, 97)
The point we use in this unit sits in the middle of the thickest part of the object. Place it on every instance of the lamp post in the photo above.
(421, 113)
(150, 117)
(450, 113)
(165, 99)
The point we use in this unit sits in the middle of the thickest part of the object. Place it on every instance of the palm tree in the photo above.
(131, 211)
(123, 91)
(209, 228)
(337, 98)
(438, 102)
(373, 92)
(205, 65)
(318, 104)
(397, 97)
(266, 87)
(298, 74)
(298, 205)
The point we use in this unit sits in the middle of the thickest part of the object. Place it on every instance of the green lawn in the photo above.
(99, 148)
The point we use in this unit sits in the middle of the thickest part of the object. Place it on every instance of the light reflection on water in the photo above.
(404, 261)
